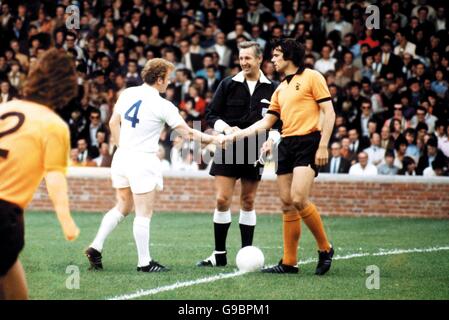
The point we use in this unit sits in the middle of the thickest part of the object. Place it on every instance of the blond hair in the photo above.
(251, 44)
(155, 69)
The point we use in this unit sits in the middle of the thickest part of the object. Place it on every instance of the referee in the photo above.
(239, 101)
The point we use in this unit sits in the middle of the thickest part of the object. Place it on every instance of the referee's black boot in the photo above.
(215, 260)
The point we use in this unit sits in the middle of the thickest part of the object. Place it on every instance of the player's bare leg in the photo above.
(302, 184)
(291, 228)
(13, 285)
(110, 221)
(224, 187)
(143, 204)
(247, 220)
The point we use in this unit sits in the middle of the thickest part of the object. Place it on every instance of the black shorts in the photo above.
(298, 151)
(12, 237)
(245, 171)
(237, 161)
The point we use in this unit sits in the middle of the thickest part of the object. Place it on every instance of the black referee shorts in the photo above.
(298, 151)
(12, 237)
(237, 161)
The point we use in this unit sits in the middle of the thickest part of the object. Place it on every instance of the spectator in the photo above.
(412, 150)
(132, 77)
(422, 116)
(430, 154)
(337, 164)
(188, 163)
(84, 154)
(346, 152)
(74, 162)
(438, 168)
(375, 152)
(95, 126)
(220, 47)
(342, 26)
(326, 62)
(363, 118)
(104, 159)
(440, 85)
(6, 92)
(386, 140)
(165, 164)
(408, 167)
(363, 168)
(388, 167)
(357, 144)
(404, 46)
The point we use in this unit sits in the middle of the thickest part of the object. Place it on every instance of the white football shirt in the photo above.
(143, 114)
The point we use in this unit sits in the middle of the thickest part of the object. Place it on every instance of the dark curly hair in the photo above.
(52, 80)
(292, 50)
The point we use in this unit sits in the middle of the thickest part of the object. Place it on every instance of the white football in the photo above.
(250, 259)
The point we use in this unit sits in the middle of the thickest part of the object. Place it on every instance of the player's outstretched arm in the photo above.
(188, 133)
(263, 124)
(322, 155)
(57, 190)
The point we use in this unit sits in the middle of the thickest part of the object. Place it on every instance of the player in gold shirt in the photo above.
(34, 143)
(298, 101)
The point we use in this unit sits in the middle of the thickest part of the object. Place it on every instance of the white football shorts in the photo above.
(140, 171)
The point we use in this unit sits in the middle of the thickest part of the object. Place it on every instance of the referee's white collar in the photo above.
(239, 77)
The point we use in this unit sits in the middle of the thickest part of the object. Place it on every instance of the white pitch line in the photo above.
(177, 285)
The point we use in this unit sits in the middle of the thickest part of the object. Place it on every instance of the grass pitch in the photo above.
(412, 256)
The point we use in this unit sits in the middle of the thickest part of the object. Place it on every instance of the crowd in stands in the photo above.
(389, 85)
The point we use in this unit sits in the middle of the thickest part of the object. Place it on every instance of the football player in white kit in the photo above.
(136, 123)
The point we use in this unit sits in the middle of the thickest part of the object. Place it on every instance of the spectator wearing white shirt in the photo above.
(326, 63)
(404, 46)
(438, 168)
(441, 21)
(223, 51)
(375, 152)
(339, 24)
(443, 141)
(165, 164)
(363, 168)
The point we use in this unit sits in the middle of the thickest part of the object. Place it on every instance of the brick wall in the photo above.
(91, 190)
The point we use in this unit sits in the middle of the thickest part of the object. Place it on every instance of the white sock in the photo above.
(222, 216)
(110, 220)
(248, 217)
(141, 231)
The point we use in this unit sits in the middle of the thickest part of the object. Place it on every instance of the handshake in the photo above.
(231, 134)
(228, 137)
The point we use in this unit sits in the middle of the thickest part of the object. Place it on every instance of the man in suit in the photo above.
(365, 116)
(337, 164)
(357, 143)
(183, 82)
(192, 61)
(5, 92)
(390, 61)
(431, 153)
